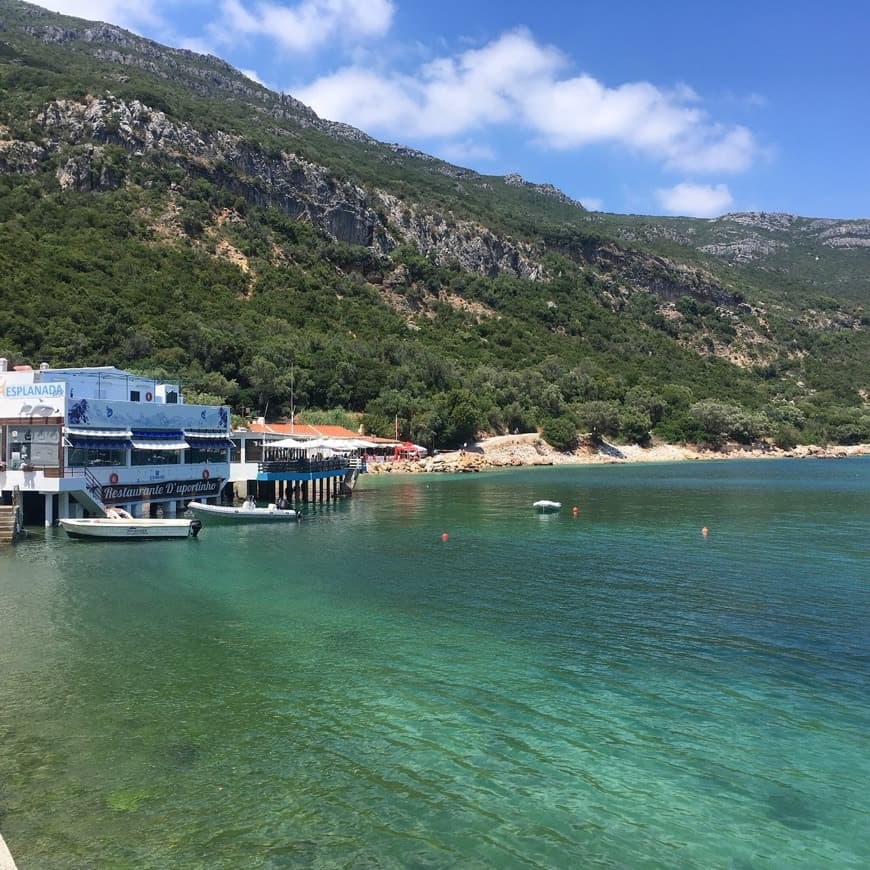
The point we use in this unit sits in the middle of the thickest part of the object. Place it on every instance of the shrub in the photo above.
(560, 432)
(635, 425)
(599, 418)
(786, 437)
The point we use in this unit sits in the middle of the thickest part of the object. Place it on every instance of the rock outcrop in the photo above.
(748, 236)
(645, 272)
(744, 250)
(81, 133)
(514, 179)
(474, 247)
(297, 187)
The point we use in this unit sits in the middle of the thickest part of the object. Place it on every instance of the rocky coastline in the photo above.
(529, 449)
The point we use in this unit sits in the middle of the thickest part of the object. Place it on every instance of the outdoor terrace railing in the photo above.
(301, 466)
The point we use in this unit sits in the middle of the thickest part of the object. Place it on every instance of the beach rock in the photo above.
(529, 449)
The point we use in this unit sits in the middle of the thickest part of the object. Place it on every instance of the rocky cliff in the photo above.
(77, 134)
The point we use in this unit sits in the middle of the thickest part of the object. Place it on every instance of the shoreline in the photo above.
(529, 450)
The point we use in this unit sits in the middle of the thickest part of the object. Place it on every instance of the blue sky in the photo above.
(669, 107)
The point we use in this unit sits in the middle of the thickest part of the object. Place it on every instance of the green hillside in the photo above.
(160, 211)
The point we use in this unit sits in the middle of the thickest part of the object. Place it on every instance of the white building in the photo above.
(81, 439)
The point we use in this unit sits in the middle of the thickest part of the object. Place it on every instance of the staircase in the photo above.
(349, 481)
(10, 523)
(90, 496)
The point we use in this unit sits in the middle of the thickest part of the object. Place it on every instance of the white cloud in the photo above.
(304, 26)
(516, 80)
(130, 14)
(695, 200)
(465, 152)
(192, 43)
(252, 75)
(362, 98)
(593, 203)
(715, 149)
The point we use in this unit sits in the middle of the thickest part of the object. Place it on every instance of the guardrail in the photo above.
(94, 487)
(301, 466)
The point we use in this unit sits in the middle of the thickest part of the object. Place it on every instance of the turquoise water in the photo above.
(612, 689)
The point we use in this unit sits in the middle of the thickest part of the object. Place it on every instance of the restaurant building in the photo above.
(298, 462)
(78, 440)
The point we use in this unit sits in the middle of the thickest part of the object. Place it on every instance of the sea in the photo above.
(430, 674)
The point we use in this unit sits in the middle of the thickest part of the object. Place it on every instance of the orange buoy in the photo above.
(444, 536)
(575, 510)
(704, 531)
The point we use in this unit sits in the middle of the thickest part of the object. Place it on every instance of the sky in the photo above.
(658, 107)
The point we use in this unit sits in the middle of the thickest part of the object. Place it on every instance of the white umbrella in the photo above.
(289, 442)
(313, 444)
(362, 444)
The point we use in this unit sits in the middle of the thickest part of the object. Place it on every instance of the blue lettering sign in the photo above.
(33, 391)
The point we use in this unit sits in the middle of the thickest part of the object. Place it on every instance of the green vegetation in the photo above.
(177, 268)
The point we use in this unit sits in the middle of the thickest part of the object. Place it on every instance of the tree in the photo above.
(647, 402)
(786, 436)
(267, 382)
(719, 422)
(635, 425)
(599, 418)
(560, 432)
(460, 415)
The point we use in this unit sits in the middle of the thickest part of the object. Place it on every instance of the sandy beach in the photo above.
(529, 449)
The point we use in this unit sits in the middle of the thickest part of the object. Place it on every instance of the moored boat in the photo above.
(246, 513)
(547, 507)
(127, 529)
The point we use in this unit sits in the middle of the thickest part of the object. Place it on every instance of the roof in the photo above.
(302, 430)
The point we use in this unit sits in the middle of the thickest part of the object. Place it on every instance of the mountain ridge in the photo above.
(213, 165)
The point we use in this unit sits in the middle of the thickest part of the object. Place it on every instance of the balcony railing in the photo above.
(302, 466)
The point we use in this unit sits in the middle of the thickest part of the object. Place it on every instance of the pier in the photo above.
(305, 468)
(306, 481)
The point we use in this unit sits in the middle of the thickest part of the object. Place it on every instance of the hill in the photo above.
(161, 211)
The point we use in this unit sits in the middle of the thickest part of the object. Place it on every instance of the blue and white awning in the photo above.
(209, 444)
(99, 433)
(149, 439)
(208, 439)
(97, 439)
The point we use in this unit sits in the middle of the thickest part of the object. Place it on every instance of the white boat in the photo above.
(246, 513)
(128, 529)
(547, 507)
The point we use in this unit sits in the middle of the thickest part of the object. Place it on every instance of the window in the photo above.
(34, 445)
(155, 457)
(134, 396)
(88, 456)
(201, 455)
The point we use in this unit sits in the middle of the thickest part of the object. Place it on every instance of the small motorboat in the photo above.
(245, 513)
(547, 507)
(119, 528)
